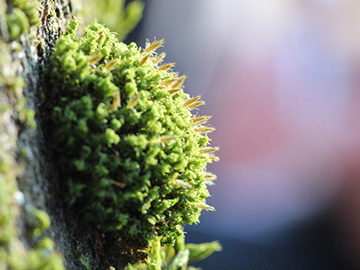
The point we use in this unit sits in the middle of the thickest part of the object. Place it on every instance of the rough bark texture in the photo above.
(80, 245)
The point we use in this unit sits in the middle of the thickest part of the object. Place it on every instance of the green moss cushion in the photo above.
(131, 152)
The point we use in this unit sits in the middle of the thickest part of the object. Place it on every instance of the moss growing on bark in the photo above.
(129, 147)
(36, 251)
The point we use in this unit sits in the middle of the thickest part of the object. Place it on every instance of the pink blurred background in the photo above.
(281, 79)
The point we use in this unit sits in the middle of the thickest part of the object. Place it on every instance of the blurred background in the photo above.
(281, 79)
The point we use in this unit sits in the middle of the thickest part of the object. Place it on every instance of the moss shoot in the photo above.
(131, 151)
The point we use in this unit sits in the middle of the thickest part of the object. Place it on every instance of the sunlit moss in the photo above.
(124, 140)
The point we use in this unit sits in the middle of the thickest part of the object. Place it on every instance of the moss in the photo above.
(141, 156)
(20, 15)
(82, 260)
(175, 257)
(130, 150)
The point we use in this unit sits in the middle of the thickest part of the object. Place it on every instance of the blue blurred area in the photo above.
(309, 246)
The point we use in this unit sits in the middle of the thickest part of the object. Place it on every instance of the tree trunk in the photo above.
(28, 179)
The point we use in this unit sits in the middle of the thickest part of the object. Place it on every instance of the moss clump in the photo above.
(127, 145)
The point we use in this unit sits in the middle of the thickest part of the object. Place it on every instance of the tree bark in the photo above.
(81, 246)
